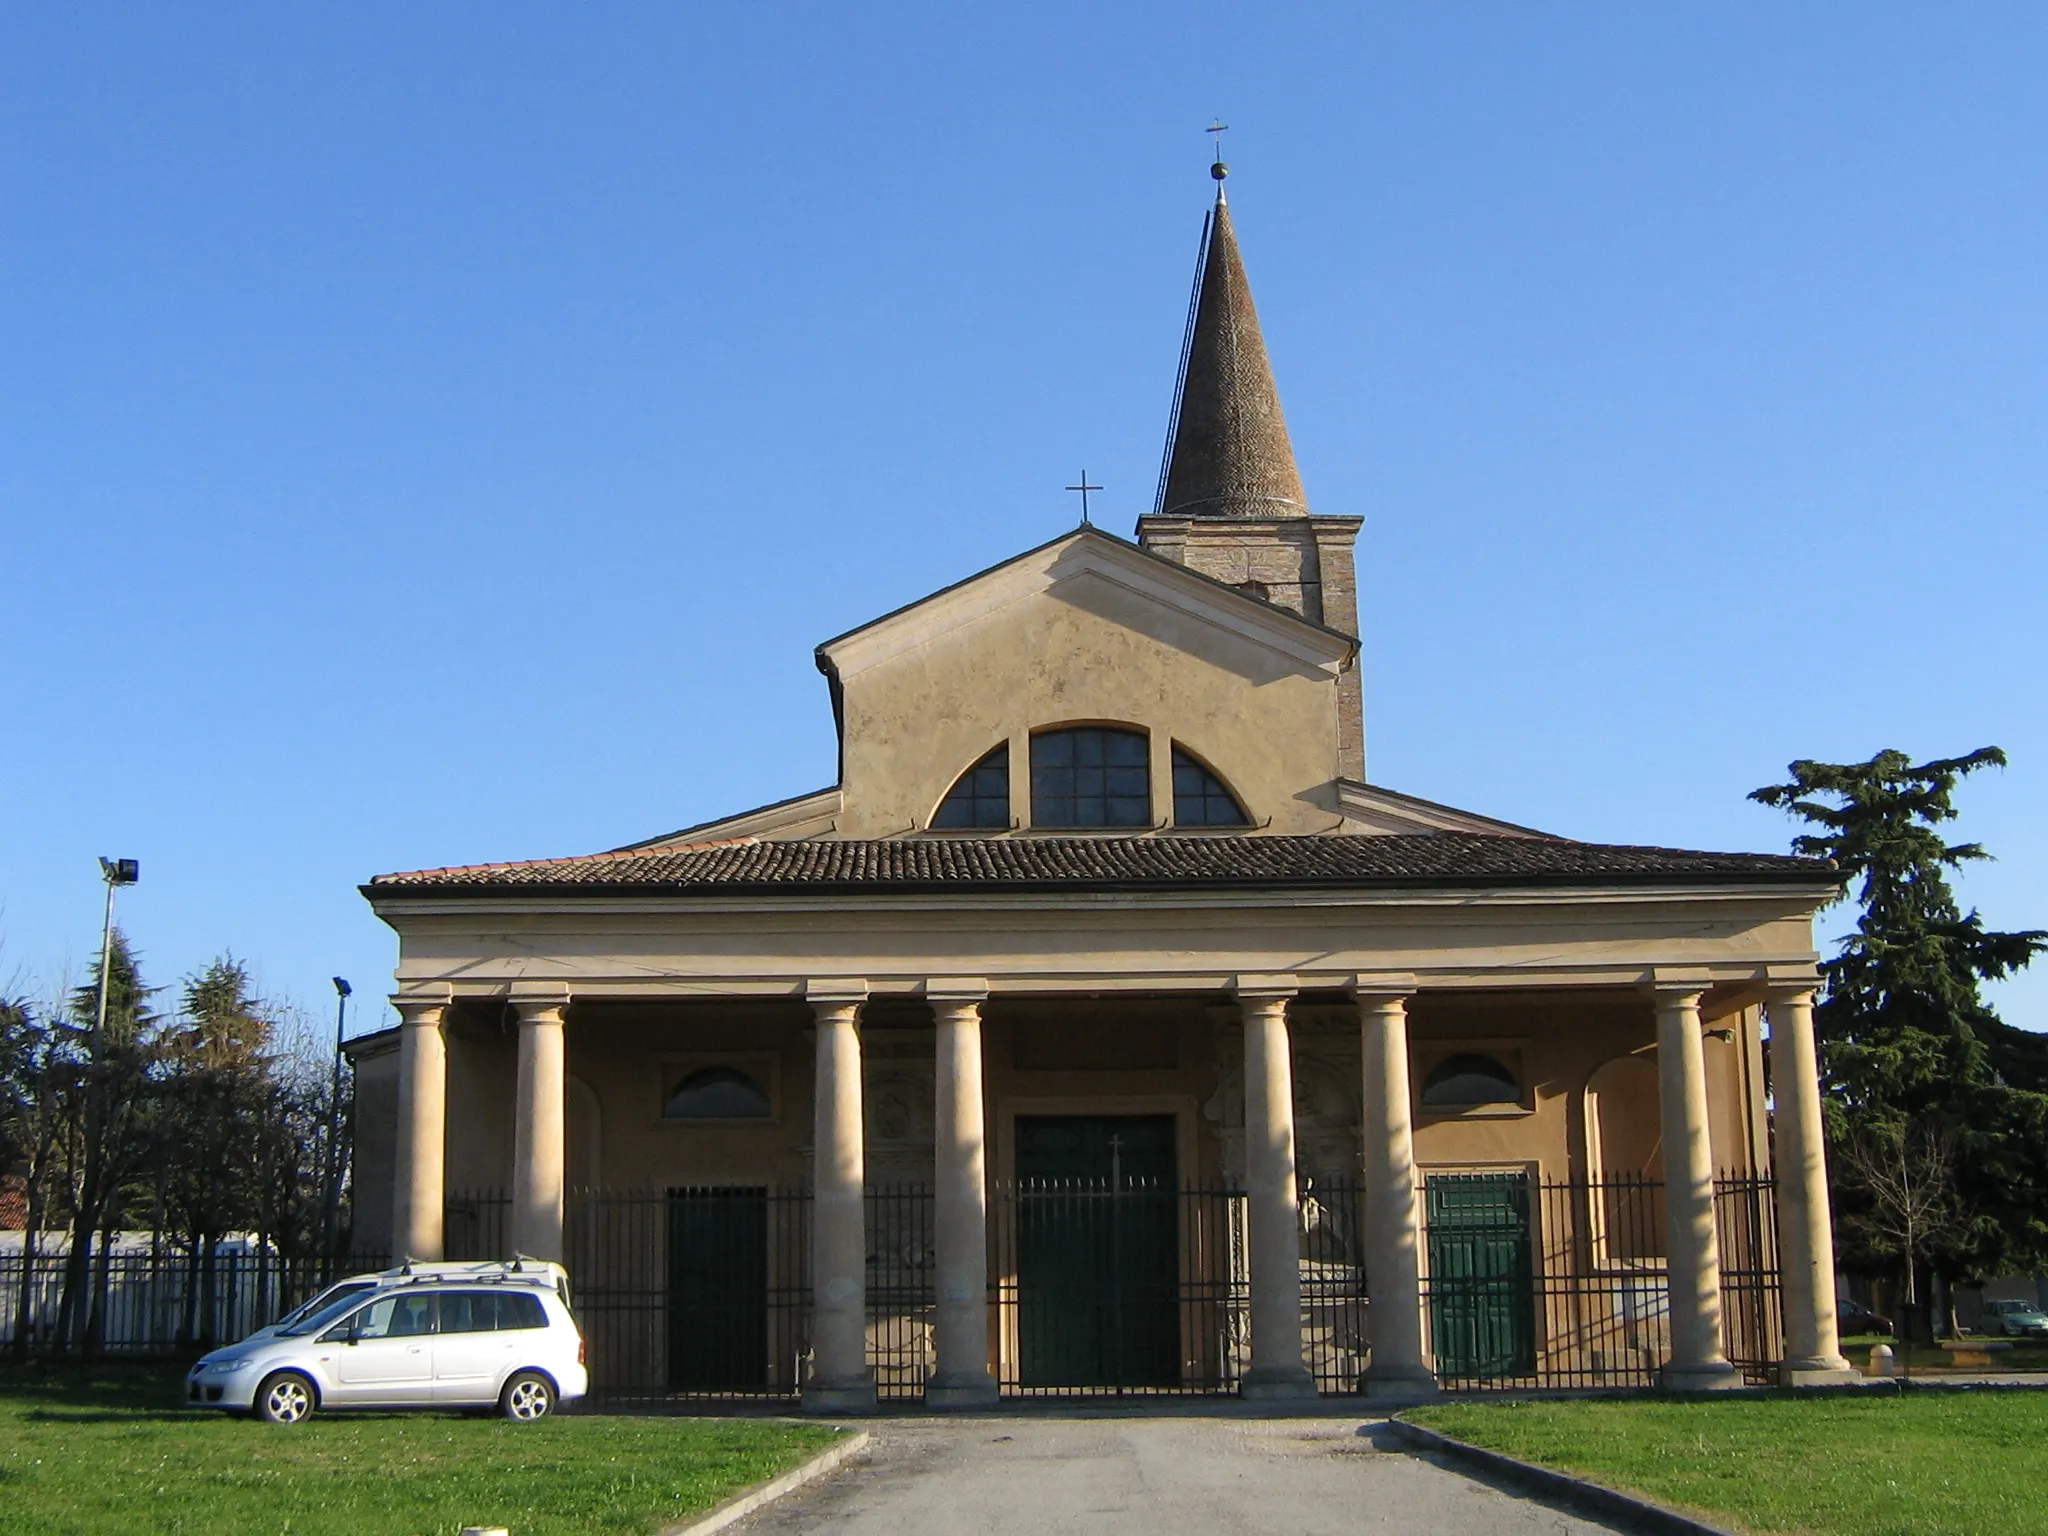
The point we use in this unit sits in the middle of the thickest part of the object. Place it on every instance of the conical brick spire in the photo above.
(1229, 454)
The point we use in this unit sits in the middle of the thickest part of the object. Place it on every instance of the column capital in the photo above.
(841, 989)
(1783, 983)
(1675, 982)
(1278, 987)
(539, 1002)
(956, 989)
(1381, 986)
(423, 1005)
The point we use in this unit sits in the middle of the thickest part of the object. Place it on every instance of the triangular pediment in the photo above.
(1103, 573)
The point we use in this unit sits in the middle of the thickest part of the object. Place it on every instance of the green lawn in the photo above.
(109, 1453)
(1930, 1463)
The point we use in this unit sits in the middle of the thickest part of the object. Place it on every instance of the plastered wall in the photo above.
(1087, 652)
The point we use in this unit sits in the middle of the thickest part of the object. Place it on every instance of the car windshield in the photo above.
(313, 1322)
(321, 1303)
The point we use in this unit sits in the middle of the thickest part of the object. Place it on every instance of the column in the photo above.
(417, 1200)
(960, 1215)
(539, 1141)
(1272, 1201)
(840, 1380)
(1393, 1231)
(1806, 1236)
(1692, 1249)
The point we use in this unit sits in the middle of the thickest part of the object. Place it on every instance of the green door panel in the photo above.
(1098, 1285)
(718, 1290)
(1481, 1279)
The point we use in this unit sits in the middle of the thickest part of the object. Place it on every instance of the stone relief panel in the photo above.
(1326, 1094)
(899, 1100)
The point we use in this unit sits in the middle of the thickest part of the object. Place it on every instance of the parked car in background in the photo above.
(2016, 1319)
(425, 1340)
(1852, 1317)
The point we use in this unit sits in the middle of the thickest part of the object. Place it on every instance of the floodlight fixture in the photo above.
(120, 871)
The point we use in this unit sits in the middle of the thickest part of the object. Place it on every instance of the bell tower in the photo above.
(1231, 503)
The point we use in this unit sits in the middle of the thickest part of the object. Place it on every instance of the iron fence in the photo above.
(1564, 1283)
(695, 1292)
(702, 1293)
(1752, 1290)
(1134, 1287)
(1118, 1288)
(477, 1225)
(1334, 1295)
(156, 1300)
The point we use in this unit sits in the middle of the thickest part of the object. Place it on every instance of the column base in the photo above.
(852, 1396)
(1819, 1371)
(1277, 1384)
(1402, 1381)
(956, 1391)
(1719, 1376)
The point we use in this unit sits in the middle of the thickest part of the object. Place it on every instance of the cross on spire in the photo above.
(1084, 488)
(1219, 170)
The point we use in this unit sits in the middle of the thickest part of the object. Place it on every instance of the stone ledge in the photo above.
(740, 1505)
(1575, 1492)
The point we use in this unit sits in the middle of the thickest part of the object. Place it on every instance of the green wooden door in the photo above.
(1098, 1286)
(1481, 1283)
(717, 1290)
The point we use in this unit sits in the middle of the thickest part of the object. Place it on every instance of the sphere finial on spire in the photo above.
(1219, 170)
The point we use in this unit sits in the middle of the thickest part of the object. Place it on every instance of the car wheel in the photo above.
(286, 1398)
(527, 1396)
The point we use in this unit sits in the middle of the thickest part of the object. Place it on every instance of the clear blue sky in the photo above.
(439, 433)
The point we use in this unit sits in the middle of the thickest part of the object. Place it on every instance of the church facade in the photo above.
(1104, 944)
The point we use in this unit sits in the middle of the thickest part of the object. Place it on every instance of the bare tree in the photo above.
(1908, 1207)
(36, 1113)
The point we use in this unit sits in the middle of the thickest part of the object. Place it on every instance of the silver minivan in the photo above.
(429, 1342)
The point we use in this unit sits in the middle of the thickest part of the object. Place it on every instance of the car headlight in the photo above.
(223, 1367)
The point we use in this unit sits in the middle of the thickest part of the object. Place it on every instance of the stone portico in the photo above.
(582, 974)
(1103, 869)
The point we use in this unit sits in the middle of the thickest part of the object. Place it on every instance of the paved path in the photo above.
(1196, 1476)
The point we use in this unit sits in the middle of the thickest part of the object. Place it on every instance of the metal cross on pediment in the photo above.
(1084, 488)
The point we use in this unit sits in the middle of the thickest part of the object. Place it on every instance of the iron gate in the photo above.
(1131, 1287)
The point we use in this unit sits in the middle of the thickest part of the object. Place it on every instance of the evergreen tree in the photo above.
(213, 1097)
(115, 1083)
(1909, 1048)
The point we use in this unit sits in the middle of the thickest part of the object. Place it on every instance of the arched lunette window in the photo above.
(1200, 799)
(1468, 1078)
(980, 797)
(718, 1093)
(1091, 776)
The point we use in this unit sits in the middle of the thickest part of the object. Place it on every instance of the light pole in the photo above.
(331, 1222)
(74, 1312)
(116, 872)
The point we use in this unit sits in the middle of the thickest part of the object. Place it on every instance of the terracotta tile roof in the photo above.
(1104, 863)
